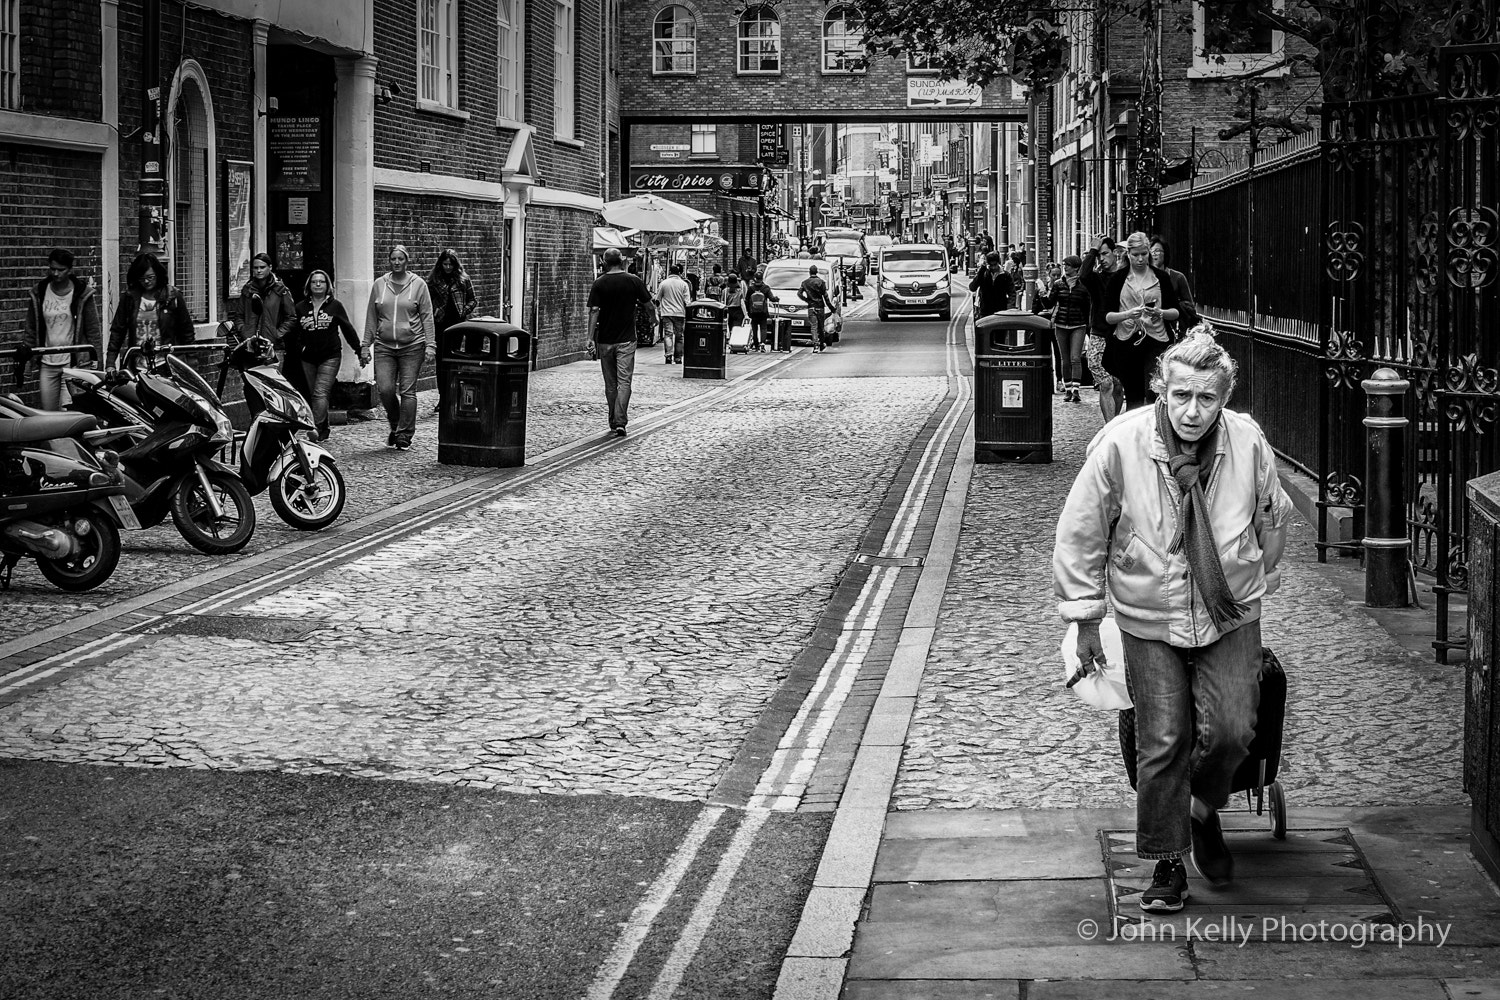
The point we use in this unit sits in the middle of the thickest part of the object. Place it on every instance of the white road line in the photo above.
(612, 970)
(696, 929)
(68, 660)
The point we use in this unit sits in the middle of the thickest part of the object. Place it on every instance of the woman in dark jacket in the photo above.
(452, 293)
(320, 320)
(150, 312)
(1140, 302)
(277, 316)
(1161, 258)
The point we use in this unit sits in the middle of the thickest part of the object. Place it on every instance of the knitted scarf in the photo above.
(1191, 464)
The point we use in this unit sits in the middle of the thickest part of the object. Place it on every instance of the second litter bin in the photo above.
(1012, 388)
(484, 365)
(705, 339)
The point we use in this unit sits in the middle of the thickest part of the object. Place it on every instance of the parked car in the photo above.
(785, 275)
(914, 278)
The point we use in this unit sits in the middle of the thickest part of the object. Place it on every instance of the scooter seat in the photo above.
(29, 430)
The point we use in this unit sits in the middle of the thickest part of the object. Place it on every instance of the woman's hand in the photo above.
(364, 356)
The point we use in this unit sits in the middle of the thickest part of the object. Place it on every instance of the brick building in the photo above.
(1094, 109)
(320, 133)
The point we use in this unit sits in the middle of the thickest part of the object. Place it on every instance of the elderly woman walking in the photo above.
(400, 327)
(1140, 302)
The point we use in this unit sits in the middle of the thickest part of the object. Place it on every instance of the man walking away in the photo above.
(611, 336)
(992, 285)
(671, 304)
(758, 299)
(61, 312)
(1187, 549)
(814, 291)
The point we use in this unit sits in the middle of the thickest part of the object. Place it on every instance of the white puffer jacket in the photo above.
(1122, 514)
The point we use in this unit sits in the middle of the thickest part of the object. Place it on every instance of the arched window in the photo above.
(676, 41)
(760, 41)
(843, 40)
(190, 181)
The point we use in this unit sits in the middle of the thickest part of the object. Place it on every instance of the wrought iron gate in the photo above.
(1410, 270)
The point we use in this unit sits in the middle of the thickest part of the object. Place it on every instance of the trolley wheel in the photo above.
(1278, 810)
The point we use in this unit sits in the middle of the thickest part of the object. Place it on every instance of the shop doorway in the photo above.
(299, 149)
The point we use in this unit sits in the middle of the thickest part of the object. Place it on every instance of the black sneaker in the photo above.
(1210, 854)
(1168, 888)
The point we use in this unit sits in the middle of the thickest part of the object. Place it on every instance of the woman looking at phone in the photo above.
(1140, 301)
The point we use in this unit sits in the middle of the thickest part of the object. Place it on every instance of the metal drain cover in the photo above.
(870, 560)
(244, 627)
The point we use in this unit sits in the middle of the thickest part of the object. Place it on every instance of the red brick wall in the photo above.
(223, 47)
(559, 273)
(801, 91)
(60, 58)
(48, 198)
(428, 225)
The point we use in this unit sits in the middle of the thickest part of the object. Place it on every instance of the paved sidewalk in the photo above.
(985, 848)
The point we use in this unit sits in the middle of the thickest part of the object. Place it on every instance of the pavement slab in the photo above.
(1368, 721)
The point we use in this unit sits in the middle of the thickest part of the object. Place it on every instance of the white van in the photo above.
(914, 278)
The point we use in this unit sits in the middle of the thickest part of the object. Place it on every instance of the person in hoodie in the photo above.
(452, 293)
(277, 317)
(61, 312)
(150, 312)
(320, 321)
(400, 326)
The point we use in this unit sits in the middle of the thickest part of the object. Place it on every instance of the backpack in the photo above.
(758, 300)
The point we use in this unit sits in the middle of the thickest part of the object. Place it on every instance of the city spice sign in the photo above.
(663, 179)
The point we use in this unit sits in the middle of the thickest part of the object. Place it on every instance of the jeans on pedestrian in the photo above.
(50, 381)
(320, 376)
(815, 326)
(617, 361)
(1070, 353)
(672, 328)
(396, 373)
(1215, 686)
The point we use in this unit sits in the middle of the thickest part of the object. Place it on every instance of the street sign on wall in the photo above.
(930, 92)
(666, 179)
(771, 147)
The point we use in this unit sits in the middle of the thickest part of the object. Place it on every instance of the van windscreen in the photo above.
(897, 261)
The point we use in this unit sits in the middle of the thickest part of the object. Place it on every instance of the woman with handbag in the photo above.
(1139, 302)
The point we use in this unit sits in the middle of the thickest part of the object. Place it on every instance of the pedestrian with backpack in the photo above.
(758, 299)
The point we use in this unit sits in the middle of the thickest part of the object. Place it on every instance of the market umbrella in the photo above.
(651, 214)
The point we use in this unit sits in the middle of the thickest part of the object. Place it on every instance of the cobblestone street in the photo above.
(1367, 722)
(615, 627)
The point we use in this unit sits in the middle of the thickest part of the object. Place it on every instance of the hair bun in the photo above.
(1203, 331)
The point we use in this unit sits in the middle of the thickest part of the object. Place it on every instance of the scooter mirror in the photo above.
(257, 305)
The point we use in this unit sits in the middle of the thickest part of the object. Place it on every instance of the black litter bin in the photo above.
(1012, 388)
(706, 339)
(485, 366)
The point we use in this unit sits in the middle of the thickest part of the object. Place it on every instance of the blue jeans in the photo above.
(1217, 685)
(617, 361)
(320, 376)
(396, 372)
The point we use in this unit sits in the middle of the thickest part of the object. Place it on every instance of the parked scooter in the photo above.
(173, 426)
(277, 453)
(60, 504)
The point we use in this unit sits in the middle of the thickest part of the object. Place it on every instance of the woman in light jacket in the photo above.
(399, 326)
(1140, 302)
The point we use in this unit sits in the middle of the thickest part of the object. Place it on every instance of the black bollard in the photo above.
(1386, 543)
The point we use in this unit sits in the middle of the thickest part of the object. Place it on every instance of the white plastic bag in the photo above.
(1104, 689)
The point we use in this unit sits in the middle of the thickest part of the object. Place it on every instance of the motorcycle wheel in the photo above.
(309, 506)
(94, 562)
(195, 519)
